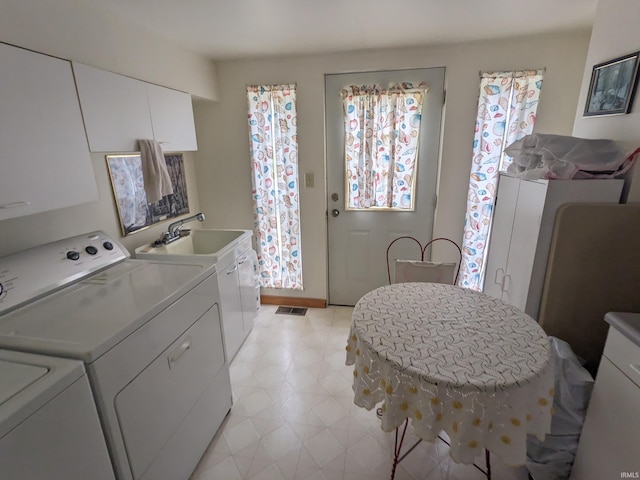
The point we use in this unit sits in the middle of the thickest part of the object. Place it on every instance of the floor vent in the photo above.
(292, 311)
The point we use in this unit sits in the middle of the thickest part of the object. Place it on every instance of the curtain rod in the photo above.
(539, 70)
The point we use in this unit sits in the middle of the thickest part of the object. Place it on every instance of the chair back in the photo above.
(420, 271)
(424, 271)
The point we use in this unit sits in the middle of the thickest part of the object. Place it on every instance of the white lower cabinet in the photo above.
(608, 445)
(231, 306)
(521, 233)
(237, 298)
(247, 280)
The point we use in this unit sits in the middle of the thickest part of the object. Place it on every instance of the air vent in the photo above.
(292, 311)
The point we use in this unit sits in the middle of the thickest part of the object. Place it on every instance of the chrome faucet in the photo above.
(173, 232)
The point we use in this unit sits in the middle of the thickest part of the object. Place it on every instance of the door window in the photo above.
(381, 141)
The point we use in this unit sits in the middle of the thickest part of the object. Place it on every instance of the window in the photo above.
(274, 167)
(507, 108)
(382, 130)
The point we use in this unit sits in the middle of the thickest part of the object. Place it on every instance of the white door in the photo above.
(358, 240)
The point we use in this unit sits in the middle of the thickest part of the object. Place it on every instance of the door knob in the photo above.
(335, 212)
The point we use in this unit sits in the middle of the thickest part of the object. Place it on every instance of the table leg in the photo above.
(397, 458)
(487, 458)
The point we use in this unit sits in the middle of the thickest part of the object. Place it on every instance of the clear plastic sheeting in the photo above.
(562, 157)
(552, 458)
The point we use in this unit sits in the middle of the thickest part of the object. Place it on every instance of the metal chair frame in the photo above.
(422, 252)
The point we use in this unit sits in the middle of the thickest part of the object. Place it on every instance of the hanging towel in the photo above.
(157, 183)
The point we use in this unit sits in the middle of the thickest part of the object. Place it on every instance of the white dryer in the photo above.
(149, 335)
(49, 426)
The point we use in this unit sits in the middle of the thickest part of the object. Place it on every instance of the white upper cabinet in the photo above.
(44, 158)
(172, 118)
(119, 110)
(115, 109)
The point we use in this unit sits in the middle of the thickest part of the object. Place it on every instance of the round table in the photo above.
(454, 360)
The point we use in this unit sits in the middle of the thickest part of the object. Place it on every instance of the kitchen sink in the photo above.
(208, 245)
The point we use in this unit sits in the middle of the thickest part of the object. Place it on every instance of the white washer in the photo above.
(148, 333)
(49, 426)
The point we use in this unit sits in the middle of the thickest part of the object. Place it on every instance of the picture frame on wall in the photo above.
(612, 87)
(134, 212)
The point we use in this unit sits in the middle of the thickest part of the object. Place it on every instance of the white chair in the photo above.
(420, 271)
(424, 271)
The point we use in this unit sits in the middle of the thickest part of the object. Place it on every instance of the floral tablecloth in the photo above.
(454, 360)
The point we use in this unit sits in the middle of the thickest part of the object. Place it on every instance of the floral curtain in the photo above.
(274, 166)
(506, 112)
(382, 128)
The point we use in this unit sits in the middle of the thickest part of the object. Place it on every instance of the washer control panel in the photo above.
(35, 272)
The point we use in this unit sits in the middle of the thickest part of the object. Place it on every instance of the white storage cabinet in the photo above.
(44, 158)
(248, 294)
(118, 111)
(608, 445)
(237, 295)
(521, 233)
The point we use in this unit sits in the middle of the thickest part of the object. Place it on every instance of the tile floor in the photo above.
(293, 415)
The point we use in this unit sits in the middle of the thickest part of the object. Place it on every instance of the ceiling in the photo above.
(230, 29)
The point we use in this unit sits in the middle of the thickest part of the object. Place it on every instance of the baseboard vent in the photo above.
(292, 311)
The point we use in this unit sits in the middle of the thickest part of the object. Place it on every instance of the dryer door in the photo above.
(152, 407)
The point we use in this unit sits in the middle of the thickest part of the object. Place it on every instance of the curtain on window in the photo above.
(382, 130)
(274, 166)
(506, 112)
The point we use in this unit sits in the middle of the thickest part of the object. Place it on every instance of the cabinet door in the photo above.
(247, 278)
(500, 238)
(44, 158)
(524, 240)
(231, 309)
(115, 109)
(172, 118)
(609, 441)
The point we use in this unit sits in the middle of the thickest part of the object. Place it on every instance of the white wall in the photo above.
(222, 163)
(616, 32)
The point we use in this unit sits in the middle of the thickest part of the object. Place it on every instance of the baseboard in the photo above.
(293, 301)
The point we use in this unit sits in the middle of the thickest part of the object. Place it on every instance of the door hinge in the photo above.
(435, 201)
(444, 97)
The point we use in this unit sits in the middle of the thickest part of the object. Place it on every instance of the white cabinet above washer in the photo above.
(120, 110)
(115, 109)
(44, 159)
(172, 118)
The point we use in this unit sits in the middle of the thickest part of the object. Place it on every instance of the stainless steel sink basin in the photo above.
(207, 245)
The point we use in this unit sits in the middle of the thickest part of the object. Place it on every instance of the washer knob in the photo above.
(72, 255)
(91, 250)
(108, 245)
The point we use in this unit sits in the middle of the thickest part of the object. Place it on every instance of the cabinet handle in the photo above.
(506, 280)
(178, 352)
(242, 260)
(635, 368)
(14, 204)
(235, 267)
(495, 279)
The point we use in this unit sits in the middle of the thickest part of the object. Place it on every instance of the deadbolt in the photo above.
(334, 197)
(335, 212)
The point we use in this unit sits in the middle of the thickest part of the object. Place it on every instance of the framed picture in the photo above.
(612, 86)
(134, 212)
